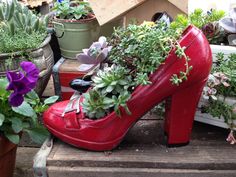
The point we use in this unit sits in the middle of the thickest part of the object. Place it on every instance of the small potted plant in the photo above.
(218, 103)
(214, 24)
(75, 26)
(24, 36)
(20, 109)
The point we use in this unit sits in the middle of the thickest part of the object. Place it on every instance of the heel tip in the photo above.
(177, 145)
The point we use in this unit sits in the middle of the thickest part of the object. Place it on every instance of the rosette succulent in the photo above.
(213, 32)
(96, 53)
(112, 79)
(96, 105)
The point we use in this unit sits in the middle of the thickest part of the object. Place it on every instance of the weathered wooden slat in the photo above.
(143, 152)
(107, 10)
(134, 172)
(182, 5)
(147, 10)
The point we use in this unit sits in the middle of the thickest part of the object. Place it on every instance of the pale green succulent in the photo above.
(16, 17)
(96, 105)
(114, 79)
(20, 29)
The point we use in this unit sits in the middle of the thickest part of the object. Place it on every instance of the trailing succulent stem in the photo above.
(178, 79)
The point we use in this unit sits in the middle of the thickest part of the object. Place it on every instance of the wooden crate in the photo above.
(143, 153)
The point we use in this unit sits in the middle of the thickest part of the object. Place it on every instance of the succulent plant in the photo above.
(112, 79)
(96, 105)
(121, 100)
(15, 17)
(96, 53)
(73, 10)
(213, 32)
(110, 92)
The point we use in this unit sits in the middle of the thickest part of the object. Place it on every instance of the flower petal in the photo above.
(32, 73)
(85, 51)
(85, 59)
(14, 77)
(16, 99)
(103, 41)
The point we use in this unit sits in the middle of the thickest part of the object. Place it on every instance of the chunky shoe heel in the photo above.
(180, 110)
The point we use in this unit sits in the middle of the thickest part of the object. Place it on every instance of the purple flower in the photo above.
(22, 82)
(31, 72)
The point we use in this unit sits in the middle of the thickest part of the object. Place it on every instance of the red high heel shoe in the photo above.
(107, 133)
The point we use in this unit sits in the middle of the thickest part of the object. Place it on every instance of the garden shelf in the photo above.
(144, 153)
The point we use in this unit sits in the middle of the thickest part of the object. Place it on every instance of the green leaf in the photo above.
(2, 118)
(51, 99)
(13, 138)
(3, 85)
(38, 134)
(17, 125)
(33, 95)
(25, 109)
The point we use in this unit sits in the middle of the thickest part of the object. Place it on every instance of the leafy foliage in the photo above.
(110, 91)
(207, 22)
(19, 28)
(72, 10)
(23, 118)
(198, 18)
(142, 49)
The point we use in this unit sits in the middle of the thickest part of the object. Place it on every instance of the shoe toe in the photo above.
(52, 118)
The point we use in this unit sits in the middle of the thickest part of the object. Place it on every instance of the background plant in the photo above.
(142, 49)
(208, 22)
(20, 29)
(67, 9)
(222, 84)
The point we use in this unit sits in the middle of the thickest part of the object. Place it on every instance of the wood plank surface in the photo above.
(106, 10)
(147, 10)
(182, 5)
(144, 148)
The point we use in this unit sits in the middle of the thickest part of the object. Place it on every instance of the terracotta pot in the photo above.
(7, 157)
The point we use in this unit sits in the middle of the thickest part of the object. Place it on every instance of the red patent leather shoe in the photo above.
(107, 133)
